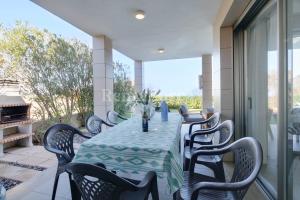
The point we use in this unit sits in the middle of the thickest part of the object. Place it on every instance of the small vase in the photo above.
(145, 125)
(145, 122)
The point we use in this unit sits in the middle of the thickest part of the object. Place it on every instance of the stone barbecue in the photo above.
(15, 122)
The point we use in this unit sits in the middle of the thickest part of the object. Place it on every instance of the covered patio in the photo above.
(171, 30)
(150, 31)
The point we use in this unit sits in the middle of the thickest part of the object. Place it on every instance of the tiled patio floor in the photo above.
(34, 156)
(40, 188)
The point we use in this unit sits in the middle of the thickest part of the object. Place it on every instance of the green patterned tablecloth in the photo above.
(127, 149)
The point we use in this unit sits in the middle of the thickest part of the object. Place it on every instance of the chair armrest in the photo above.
(147, 180)
(58, 152)
(210, 152)
(100, 165)
(197, 153)
(121, 117)
(196, 123)
(84, 136)
(107, 124)
(216, 186)
(136, 182)
(200, 132)
(211, 146)
(292, 130)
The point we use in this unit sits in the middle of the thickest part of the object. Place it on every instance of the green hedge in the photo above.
(193, 102)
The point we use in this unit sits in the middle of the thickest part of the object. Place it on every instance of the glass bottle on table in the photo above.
(145, 121)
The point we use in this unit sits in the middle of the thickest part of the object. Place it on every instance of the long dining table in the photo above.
(129, 151)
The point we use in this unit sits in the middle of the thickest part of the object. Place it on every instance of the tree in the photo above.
(123, 90)
(56, 74)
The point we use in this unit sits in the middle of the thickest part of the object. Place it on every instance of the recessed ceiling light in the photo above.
(161, 50)
(140, 15)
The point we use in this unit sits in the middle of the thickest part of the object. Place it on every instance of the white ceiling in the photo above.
(182, 27)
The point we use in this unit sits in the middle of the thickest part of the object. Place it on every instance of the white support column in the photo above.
(226, 78)
(1, 144)
(207, 81)
(102, 75)
(138, 75)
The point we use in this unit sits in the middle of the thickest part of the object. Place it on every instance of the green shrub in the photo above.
(193, 102)
(41, 126)
(123, 89)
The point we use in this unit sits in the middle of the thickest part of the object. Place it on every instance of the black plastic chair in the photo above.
(248, 160)
(112, 117)
(94, 124)
(187, 116)
(58, 139)
(96, 183)
(210, 123)
(214, 162)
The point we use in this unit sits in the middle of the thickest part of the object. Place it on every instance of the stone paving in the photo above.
(33, 156)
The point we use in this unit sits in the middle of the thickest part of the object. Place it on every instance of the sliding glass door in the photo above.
(293, 59)
(262, 90)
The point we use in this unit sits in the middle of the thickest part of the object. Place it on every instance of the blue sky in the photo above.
(173, 77)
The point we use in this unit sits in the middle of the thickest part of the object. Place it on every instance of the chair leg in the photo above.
(175, 195)
(75, 194)
(55, 186)
(186, 143)
(186, 164)
(219, 171)
(154, 190)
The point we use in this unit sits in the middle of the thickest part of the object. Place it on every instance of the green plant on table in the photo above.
(145, 100)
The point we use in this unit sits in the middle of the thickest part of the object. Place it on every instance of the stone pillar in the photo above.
(138, 75)
(102, 76)
(226, 57)
(206, 81)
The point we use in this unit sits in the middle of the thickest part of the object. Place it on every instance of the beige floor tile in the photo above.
(11, 149)
(33, 160)
(49, 163)
(19, 150)
(26, 174)
(11, 157)
(9, 171)
(39, 196)
(46, 186)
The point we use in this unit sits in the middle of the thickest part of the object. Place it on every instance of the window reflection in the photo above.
(294, 114)
(262, 92)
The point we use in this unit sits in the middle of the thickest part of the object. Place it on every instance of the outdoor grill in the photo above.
(12, 106)
(14, 113)
(15, 122)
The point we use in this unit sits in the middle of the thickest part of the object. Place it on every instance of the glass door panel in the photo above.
(261, 91)
(293, 58)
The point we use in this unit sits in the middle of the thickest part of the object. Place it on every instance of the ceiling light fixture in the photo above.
(139, 15)
(161, 50)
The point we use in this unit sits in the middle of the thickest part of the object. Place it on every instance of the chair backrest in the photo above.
(248, 160)
(221, 134)
(214, 120)
(94, 124)
(183, 110)
(226, 130)
(60, 137)
(112, 117)
(96, 183)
